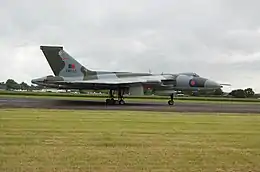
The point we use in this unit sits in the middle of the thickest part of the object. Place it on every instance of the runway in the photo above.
(136, 106)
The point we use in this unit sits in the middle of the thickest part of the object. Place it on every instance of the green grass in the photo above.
(48, 140)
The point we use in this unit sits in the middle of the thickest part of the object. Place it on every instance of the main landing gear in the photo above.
(112, 101)
(171, 101)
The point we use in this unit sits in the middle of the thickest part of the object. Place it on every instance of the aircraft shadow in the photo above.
(99, 103)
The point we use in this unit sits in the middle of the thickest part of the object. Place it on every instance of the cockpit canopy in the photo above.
(190, 74)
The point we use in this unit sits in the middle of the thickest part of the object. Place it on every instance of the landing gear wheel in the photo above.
(170, 102)
(121, 102)
(110, 101)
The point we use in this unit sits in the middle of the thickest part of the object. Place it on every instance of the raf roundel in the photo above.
(192, 83)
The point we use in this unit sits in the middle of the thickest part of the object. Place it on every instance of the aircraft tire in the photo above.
(121, 102)
(110, 101)
(170, 102)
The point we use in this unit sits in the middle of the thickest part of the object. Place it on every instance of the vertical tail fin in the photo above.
(62, 64)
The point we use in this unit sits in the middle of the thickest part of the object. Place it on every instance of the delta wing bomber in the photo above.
(70, 74)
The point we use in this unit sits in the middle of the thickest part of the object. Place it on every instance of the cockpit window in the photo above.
(195, 75)
(191, 74)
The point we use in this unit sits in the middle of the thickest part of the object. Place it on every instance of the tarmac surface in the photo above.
(136, 106)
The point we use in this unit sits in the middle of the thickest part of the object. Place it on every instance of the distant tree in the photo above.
(32, 87)
(239, 93)
(190, 93)
(11, 85)
(24, 86)
(148, 91)
(81, 91)
(2, 86)
(218, 92)
(249, 92)
(195, 93)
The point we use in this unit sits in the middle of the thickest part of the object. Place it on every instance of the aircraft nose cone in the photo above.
(212, 84)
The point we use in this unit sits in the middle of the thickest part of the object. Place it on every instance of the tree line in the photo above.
(240, 93)
(11, 84)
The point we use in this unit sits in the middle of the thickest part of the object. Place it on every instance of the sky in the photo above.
(217, 39)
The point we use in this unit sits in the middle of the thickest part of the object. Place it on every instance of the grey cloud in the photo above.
(218, 39)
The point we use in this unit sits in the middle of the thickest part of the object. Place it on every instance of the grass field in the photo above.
(48, 140)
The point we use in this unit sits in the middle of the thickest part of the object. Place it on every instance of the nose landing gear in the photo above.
(120, 97)
(171, 101)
